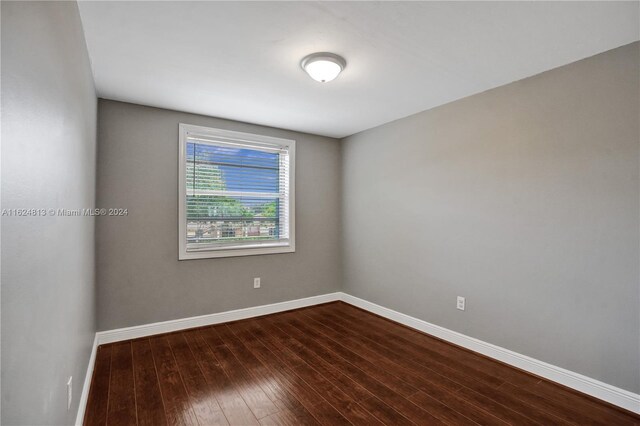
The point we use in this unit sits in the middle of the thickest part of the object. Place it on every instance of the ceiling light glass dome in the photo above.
(323, 66)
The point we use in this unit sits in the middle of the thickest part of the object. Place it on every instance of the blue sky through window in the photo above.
(241, 169)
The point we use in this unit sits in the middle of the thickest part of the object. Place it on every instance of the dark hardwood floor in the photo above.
(331, 364)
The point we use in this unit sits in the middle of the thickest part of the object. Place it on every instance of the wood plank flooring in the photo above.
(331, 364)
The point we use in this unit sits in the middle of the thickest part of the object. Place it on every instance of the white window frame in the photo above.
(187, 131)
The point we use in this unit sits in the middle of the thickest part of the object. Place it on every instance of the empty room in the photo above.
(320, 213)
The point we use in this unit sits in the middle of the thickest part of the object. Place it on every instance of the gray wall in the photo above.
(523, 199)
(48, 161)
(140, 279)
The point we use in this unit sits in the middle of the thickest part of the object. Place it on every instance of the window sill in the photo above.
(235, 252)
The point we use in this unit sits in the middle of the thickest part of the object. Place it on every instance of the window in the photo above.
(236, 194)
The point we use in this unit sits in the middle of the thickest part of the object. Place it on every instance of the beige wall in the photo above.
(48, 162)
(525, 200)
(140, 279)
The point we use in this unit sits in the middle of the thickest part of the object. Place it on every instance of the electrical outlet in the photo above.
(256, 282)
(69, 392)
(460, 303)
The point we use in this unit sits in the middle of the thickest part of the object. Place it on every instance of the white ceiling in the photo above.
(240, 60)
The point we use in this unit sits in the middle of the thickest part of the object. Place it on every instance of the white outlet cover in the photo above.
(69, 392)
(460, 303)
(256, 282)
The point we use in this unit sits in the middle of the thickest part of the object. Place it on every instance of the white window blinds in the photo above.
(237, 191)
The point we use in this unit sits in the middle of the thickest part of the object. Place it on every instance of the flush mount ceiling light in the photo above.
(323, 66)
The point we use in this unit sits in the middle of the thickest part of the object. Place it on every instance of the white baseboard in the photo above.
(137, 331)
(593, 387)
(84, 396)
